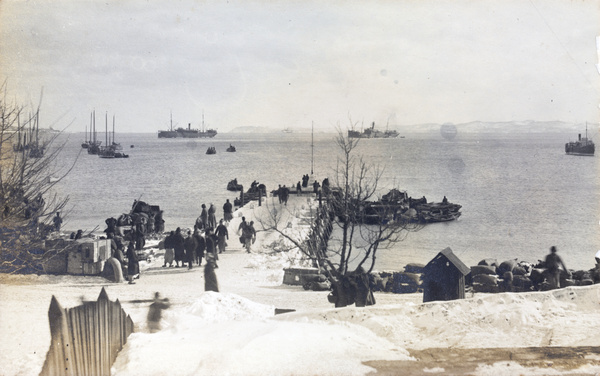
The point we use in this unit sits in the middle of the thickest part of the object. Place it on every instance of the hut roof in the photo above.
(464, 269)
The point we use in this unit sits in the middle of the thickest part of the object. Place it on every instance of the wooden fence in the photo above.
(86, 339)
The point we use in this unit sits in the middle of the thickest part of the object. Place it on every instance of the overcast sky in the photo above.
(288, 63)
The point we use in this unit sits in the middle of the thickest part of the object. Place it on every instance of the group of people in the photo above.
(195, 246)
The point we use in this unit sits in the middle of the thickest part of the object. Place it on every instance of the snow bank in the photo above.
(227, 334)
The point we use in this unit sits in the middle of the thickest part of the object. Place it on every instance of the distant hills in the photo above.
(527, 126)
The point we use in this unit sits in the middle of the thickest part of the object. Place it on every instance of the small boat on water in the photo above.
(211, 150)
(231, 148)
(234, 186)
(583, 146)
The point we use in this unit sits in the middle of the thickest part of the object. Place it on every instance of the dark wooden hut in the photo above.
(444, 277)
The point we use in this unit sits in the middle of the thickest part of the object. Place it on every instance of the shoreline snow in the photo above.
(236, 331)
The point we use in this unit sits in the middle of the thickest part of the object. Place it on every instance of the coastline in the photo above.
(398, 334)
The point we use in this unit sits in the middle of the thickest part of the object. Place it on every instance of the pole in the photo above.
(312, 145)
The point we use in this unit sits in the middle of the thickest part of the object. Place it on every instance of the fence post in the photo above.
(59, 359)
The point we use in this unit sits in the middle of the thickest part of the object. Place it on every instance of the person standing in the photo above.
(211, 248)
(190, 249)
(298, 188)
(178, 247)
(212, 218)
(222, 236)
(227, 211)
(553, 264)
(200, 245)
(203, 218)
(57, 222)
(133, 265)
(169, 253)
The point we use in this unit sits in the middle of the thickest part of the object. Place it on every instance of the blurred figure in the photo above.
(155, 312)
(553, 264)
(57, 222)
(210, 277)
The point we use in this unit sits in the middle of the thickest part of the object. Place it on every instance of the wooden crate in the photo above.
(293, 276)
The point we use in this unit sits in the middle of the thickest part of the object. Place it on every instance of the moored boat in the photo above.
(234, 186)
(211, 150)
(583, 146)
(231, 148)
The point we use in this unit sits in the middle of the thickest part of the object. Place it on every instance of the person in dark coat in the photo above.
(159, 222)
(211, 246)
(298, 188)
(222, 236)
(169, 252)
(364, 295)
(155, 312)
(203, 218)
(200, 245)
(553, 263)
(249, 235)
(133, 265)
(212, 218)
(227, 211)
(210, 277)
(178, 246)
(190, 249)
(57, 222)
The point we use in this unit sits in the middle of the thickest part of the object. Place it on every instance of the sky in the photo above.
(281, 64)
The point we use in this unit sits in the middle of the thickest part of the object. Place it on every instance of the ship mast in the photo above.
(312, 147)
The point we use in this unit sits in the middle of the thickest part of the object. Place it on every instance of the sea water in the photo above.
(520, 193)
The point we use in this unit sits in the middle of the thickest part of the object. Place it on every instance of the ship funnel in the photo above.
(579, 136)
(190, 127)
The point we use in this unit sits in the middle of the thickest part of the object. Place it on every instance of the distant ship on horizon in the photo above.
(583, 146)
(372, 133)
(287, 130)
(188, 132)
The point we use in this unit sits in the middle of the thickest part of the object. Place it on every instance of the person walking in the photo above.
(553, 264)
(155, 312)
(222, 236)
(227, 211)
(178, 247)
(249, 235)
(190, 249)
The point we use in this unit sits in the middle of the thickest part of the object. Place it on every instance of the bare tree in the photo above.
(351, 226)
(28, 172)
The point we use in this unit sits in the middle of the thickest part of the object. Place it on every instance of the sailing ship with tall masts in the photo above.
(93, 144)
(29, 140)
(111, 149)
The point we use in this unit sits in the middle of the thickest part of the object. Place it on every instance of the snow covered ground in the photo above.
(235, 332)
